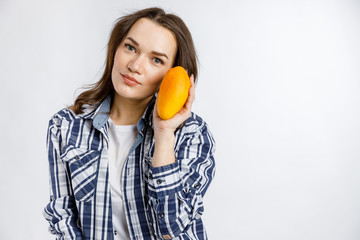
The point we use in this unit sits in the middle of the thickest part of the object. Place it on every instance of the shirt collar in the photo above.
(100, 114)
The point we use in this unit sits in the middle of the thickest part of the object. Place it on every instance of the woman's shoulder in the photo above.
(58, 117)
(68, 115)
(195, 123)
(197, 130)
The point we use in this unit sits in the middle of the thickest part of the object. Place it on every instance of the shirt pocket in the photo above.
(83, 166)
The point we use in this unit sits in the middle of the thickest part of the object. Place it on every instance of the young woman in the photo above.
(117, 170)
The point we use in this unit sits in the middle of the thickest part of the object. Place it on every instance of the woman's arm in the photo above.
(164, 130)
(176, 190)
(61, 211)
(179, 178)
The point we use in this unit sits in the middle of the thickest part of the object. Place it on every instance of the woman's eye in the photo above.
(157, 60)
(129, 47)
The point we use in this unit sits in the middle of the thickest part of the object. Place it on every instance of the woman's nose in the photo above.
(136, 64)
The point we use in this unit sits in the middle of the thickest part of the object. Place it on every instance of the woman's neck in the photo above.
(127, 111)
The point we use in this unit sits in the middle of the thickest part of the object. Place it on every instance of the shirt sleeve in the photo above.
(61, 211)
(176, 190)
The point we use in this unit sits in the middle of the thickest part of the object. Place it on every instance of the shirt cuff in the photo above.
(164, 180)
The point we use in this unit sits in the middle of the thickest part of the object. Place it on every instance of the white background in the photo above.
(279, 86)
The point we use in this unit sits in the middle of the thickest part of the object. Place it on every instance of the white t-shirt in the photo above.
(121, 137)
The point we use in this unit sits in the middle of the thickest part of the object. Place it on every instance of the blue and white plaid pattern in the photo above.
(161, 203)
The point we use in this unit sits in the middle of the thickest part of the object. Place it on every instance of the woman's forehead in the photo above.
(151, 36)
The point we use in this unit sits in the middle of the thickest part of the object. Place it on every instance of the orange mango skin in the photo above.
(173, 92)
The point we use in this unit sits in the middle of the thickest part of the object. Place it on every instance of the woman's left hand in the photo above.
(163, 127)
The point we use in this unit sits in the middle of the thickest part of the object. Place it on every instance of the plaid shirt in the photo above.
(160, 203)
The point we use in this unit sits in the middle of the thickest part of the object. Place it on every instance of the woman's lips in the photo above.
(129, 80)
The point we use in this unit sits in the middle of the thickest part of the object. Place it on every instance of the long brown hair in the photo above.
(185, 56)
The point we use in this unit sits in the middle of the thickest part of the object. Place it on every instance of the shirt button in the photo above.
(115, 232)
(196, 185)
(159, 181)
(161, 215)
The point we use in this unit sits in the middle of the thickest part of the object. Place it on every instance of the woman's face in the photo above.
(142, 59)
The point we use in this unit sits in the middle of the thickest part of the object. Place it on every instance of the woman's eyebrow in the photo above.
(133, 41)
(153, 52)
(159, 54)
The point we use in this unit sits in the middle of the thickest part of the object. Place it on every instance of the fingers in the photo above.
(191, 96)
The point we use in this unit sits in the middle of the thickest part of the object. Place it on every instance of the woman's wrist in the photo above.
(164, 149)
(164, 136)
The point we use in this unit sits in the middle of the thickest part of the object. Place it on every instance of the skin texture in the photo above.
(138, 56)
